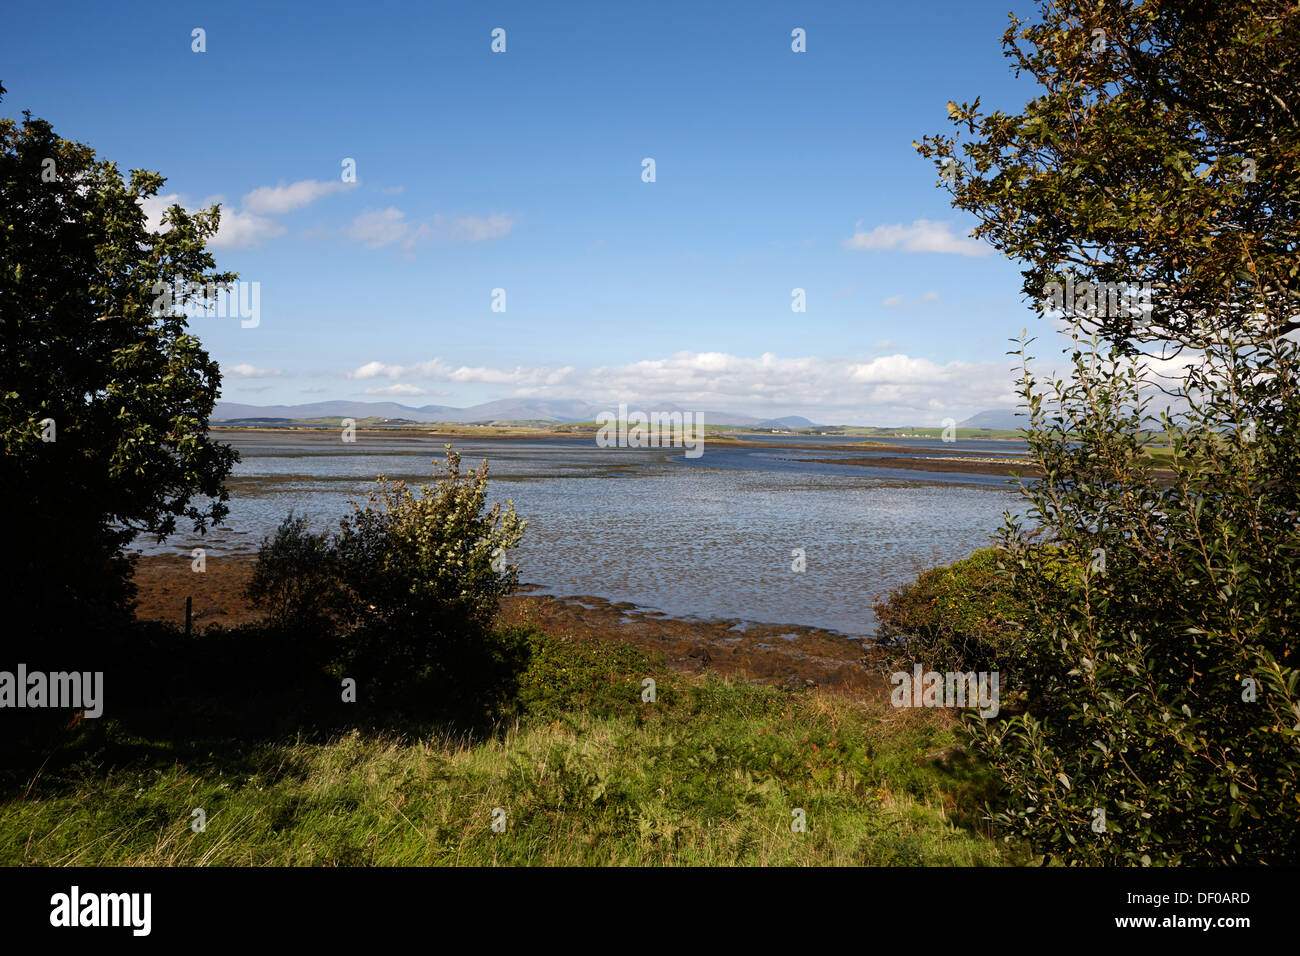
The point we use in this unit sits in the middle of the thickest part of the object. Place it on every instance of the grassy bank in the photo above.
(586, 772)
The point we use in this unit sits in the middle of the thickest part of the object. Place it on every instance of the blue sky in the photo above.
(522, 171)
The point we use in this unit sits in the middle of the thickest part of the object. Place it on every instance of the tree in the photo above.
(104, 394)
(1162, 157)
(1159, 666)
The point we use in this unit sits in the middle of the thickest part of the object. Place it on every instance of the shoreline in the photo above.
(863, 445)
(898, 457)
(784, 655)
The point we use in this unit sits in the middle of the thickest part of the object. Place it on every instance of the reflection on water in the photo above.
(709, 537)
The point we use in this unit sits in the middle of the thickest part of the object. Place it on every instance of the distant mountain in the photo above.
(998, 419)
(501, 410)
(523, 409)
(710, 416)
(789, 421)
(338, 409)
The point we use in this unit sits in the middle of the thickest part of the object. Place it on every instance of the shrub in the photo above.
(435, 562)
(404, 596)
(959, 617)
(1160, 615)
(295, 580)
(424, 577)
(1163, 723)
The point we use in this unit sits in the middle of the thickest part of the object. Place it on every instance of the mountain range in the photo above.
(561, 411)
(501, 410)
(999, 419)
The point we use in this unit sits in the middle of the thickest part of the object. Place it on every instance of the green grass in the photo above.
(587, 774)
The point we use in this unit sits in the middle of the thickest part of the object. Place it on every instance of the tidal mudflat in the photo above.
(705, 539)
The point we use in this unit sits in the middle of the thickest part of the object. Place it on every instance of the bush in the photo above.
(1160, 612)
(1162, 669)
(295, 580)
(406, 593)
(433, 564)
(960, 617)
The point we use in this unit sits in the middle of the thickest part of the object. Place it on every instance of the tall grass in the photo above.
(587, 774)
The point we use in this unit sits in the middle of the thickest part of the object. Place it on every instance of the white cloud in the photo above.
(249, 225)
(474, 229)
(384, 227)
(887, 389)
(244, 230)
(901, 369)
(250, 371)
(278, 200)
(377, 228)
(922, 235)
(375, 369)
(439, 370)
(399, 389)
(155, 206)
